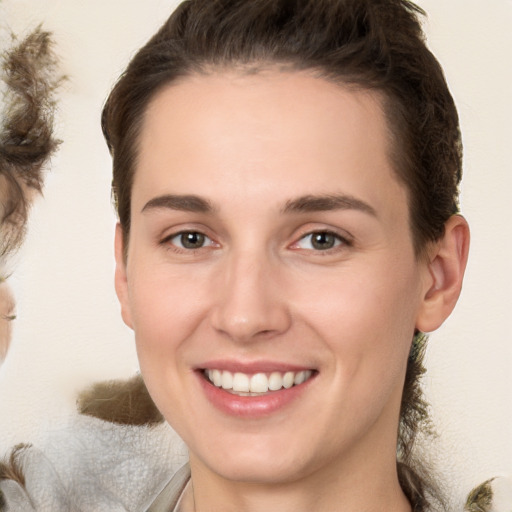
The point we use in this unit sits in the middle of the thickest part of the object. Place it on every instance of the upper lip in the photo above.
(252, 367)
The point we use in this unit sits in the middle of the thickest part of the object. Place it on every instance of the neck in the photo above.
(364, 480)
(264, 498)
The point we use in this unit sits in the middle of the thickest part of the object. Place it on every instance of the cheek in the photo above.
(366, 319)
(362, 298)
(166, 308)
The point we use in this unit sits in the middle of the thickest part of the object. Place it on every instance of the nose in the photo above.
(251, 302)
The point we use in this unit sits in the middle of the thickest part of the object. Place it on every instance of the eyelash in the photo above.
(339, 242)
(167, 241)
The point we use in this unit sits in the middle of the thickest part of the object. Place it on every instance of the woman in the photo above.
(286, 178)
(286, 181)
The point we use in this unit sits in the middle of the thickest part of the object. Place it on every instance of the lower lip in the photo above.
(251, 406)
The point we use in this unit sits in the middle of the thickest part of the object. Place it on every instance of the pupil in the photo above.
(192, 240)
(323, 241)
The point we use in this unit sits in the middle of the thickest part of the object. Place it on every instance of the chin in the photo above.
(258, 470)
(259, 459)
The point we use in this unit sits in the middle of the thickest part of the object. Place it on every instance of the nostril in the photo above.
(246, 310)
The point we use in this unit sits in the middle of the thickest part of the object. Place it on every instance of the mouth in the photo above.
(256, 384)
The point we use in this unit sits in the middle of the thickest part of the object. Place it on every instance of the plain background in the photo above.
(69, 332)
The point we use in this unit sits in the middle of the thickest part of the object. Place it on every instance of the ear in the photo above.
(447, 263)
(121, 277)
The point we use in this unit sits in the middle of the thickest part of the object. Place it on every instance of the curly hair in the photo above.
(29, 78)
(26, 136)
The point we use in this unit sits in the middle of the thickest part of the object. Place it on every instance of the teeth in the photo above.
(257, 383)
(227, 380)
(300, 377)
(240, 382)
(288, 379)
(217, 378)
(275, 381)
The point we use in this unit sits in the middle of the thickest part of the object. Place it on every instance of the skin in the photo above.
(6, 298)
(6, 314)
(259, 290)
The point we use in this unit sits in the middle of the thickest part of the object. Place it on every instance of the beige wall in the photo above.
(69, 332)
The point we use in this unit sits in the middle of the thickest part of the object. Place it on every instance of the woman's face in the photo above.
(270, 243)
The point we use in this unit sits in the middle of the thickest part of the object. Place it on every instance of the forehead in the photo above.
(252, 133)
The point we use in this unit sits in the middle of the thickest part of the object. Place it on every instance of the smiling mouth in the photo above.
(257, 384)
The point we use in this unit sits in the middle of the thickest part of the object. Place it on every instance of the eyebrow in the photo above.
(186, 203)
(319, 203)
(303, 204)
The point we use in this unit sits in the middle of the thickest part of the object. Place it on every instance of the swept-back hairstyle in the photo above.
(369, 44)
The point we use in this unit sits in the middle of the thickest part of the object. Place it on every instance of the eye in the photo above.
(320, 241)
(189, 240)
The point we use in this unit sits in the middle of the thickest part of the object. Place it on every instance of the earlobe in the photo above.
(446, 268)
(121, 278)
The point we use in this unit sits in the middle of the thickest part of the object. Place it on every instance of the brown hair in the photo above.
(373, 44)
(29, 70)
(30, 76)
